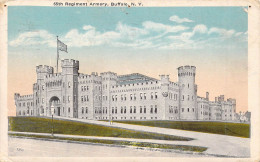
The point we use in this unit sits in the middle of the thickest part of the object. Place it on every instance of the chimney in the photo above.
(207, 96)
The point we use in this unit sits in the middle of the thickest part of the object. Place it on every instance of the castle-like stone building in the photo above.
(120, 97)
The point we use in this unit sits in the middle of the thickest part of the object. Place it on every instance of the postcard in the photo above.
(131, 80)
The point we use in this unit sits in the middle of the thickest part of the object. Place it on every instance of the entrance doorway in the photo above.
(55, 102)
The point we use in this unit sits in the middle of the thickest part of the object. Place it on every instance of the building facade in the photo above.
(120, 97)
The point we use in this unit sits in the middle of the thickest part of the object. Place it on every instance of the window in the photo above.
(155, 109)
(175, 97)
(69, 110)
(182, 109)
(140, 109)
(116, 110)
(188, 97)
(113, 98)
(82, 110)
(134, 97)
(130, 109)
(141, 96)
(125, 110)
(156, 95)
(112, 110)
(121, 110)
(145, 96)
(188, 109)
(193, 109)
(151, 95)
(134, 109)
(82, 98)
(182, 97)
(122, 98)
(131, 97)
(144, 109)
(125, 97)
(43, 87)
(68, 84)
(151, 110)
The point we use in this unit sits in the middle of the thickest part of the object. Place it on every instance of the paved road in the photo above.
(220, 145)
(41, 148)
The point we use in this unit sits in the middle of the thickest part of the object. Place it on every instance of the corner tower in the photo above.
(39, 89)
(69, 99)
(188, 92)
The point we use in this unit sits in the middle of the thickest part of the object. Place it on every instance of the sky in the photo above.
(147, 40)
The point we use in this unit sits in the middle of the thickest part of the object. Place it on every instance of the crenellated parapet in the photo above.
(18, 97)
(44, 69)
(70, 63)
(84, 78)
(187, 71)
(137, 85)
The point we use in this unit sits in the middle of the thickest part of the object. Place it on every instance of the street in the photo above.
(34, 147)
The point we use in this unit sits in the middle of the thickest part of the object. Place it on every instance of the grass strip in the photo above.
(231, 129)
(124, 143)
(44, 125)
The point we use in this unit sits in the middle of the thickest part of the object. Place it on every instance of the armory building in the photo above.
(120, 97)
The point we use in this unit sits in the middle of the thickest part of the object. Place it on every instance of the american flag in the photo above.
(62, 46)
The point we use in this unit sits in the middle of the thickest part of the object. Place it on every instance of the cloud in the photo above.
(176, 19)
(158, 27)
(222, 32)
(149, 35)
(40, 37)
(88, 27)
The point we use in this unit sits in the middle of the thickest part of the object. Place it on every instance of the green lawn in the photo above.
(43, 125)
(231, 129)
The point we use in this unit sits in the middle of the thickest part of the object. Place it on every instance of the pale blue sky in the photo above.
(150, 27)
(147, 40)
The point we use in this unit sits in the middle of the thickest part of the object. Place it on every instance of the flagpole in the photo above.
(57, 54)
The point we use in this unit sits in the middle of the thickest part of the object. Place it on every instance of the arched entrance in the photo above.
(55, 101)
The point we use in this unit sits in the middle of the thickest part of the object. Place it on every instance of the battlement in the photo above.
(70, 63)
(140, 84)
(85, 77)
(17, 96)
(44, 69)
(186, 67)
(186, 70)
(233, 101)
(164, 77)
(201, 99)
(53, 76)
(174, 84)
